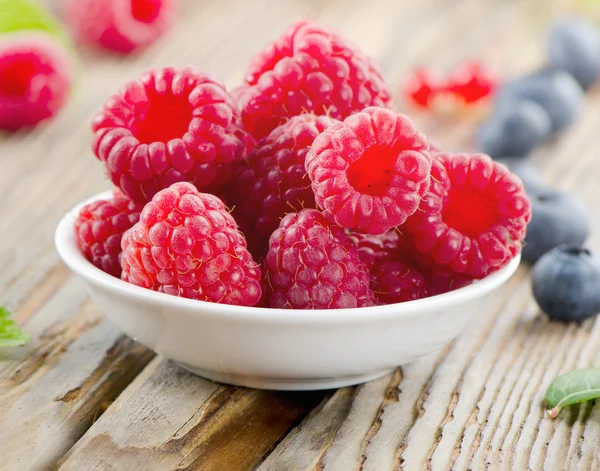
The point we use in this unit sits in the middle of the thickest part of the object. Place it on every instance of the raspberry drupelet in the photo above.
(119, 25)
(311, 264)
(187, 244)
(310, 68)
(473, 218)
(273, 181)
(35, 79)
(370, 172)
(99, 228)
(171, 125)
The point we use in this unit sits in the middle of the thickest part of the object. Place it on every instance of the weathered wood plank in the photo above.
(53, 389)
(169, 418)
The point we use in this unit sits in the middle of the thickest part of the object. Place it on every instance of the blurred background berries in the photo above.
(469, 84)
(36, 65)
(38, 56)
(118, 25)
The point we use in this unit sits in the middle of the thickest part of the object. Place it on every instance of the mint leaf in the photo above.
(11, 334)
(572, 388)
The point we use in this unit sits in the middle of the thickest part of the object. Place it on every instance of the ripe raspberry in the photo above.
(370, 172)
(35, 79)
(187, 244)
(436, 283)
(171, 125)
(394, 276)
(273, 181)
(376, 249)
(312, 265)
(119, 25)
(309, 69)
(474, 216)
(395, 281)
(99, 228)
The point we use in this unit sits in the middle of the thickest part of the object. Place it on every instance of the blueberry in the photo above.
(556, 219)
(574, 46)
(514, 130)
(554, 90)
(529, 175)
(566, 283)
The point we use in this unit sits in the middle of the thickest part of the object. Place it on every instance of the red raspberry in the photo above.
(187, 244)
(471, 82)
(395, 281)
(311, 264)
(421, 87)
(119, 25)
(394, 278)
(371, 171)
(99, 228)
(474, 216)
(170, 125)
(436, 283)
(35, 79)
(376, 249)
(309, 69)
(273, 181)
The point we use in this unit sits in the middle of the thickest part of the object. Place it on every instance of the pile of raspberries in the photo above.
(302, 189)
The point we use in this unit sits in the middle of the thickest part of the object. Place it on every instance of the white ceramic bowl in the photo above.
(277, 348)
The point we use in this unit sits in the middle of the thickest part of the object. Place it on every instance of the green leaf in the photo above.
(572, 388)
(20, 15)
(11, 334)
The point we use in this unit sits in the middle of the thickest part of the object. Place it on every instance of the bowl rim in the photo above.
(71, 255)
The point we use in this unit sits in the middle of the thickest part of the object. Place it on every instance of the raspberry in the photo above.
(171, 125)
(273, 181)
(474, 216)
(396, 282)
(99, 228)
(436, 283)
(187, 244)
(119, 25)
(376, 249)
(309, 69)
(394, 276)
(311, 264)
(35, 79)
(370, 172)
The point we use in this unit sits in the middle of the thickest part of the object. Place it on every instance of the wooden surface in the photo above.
(84, 397)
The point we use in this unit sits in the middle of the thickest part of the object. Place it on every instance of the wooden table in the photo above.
(84, 397)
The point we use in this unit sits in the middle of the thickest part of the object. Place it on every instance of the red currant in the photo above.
(471, 81)
(420, 87)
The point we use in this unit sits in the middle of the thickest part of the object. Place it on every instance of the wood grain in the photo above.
(53, 389)
(171, 419)
(474, 405)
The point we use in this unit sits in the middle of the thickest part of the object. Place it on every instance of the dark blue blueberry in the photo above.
(529, 175)
(566, 283)
(556, 219)
(554, 90)
(574, 46)
(514, 130)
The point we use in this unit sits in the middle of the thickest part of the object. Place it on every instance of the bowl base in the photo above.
(285, 384)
